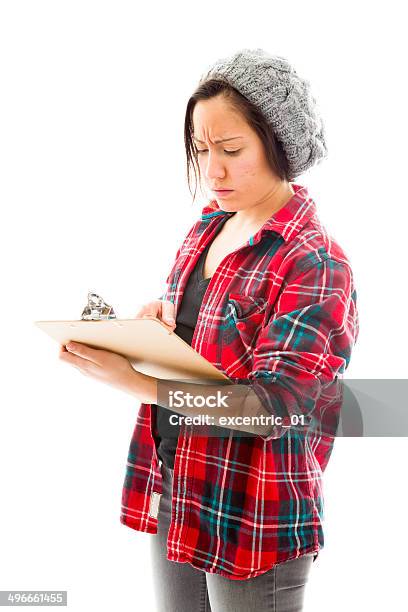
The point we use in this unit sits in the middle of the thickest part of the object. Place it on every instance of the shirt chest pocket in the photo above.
(244, 318)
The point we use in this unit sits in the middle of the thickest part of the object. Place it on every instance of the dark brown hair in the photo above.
(214, 87)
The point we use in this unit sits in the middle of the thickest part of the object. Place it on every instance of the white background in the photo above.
(94, 196)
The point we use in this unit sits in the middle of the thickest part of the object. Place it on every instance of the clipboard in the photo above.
(150, 345)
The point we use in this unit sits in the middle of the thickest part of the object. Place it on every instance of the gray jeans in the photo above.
(180, 587)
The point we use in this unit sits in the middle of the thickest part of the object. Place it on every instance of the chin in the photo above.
(229, 207)
(226, 205)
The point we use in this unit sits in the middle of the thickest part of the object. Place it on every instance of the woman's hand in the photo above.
(159, 309)
(114, 369)
(109, 368)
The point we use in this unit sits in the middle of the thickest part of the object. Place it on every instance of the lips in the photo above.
(223, 193)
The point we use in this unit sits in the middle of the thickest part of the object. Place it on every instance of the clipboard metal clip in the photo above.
(97, 309)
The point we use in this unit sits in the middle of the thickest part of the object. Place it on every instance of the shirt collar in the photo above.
(287, 221)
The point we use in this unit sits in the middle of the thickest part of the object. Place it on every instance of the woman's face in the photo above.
(239, 163)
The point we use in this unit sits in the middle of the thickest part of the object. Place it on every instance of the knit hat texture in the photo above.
(284, 98)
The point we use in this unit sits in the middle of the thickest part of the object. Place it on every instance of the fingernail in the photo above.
(170, 320)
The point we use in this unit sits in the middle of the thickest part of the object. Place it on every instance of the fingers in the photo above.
(73, 360)
(151, 309)
(167, 313)
(160, 309)
(82, 351)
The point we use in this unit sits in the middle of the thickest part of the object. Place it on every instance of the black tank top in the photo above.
(166, 434)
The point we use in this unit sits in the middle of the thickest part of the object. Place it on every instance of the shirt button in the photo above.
(240, 325)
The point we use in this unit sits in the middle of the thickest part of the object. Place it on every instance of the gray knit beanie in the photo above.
(284, 98)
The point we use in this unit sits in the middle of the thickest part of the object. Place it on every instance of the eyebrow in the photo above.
(217, 141)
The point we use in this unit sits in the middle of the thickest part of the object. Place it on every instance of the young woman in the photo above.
(261, 290)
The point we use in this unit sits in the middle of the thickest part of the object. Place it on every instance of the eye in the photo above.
(228, 152)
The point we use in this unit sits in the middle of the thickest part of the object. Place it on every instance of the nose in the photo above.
(215, 167)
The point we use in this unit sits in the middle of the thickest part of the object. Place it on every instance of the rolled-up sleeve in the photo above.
(306, 343)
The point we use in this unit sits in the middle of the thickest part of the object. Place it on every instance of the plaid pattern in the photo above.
(279, 314)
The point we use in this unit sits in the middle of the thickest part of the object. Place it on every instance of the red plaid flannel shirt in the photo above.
(282, 307)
